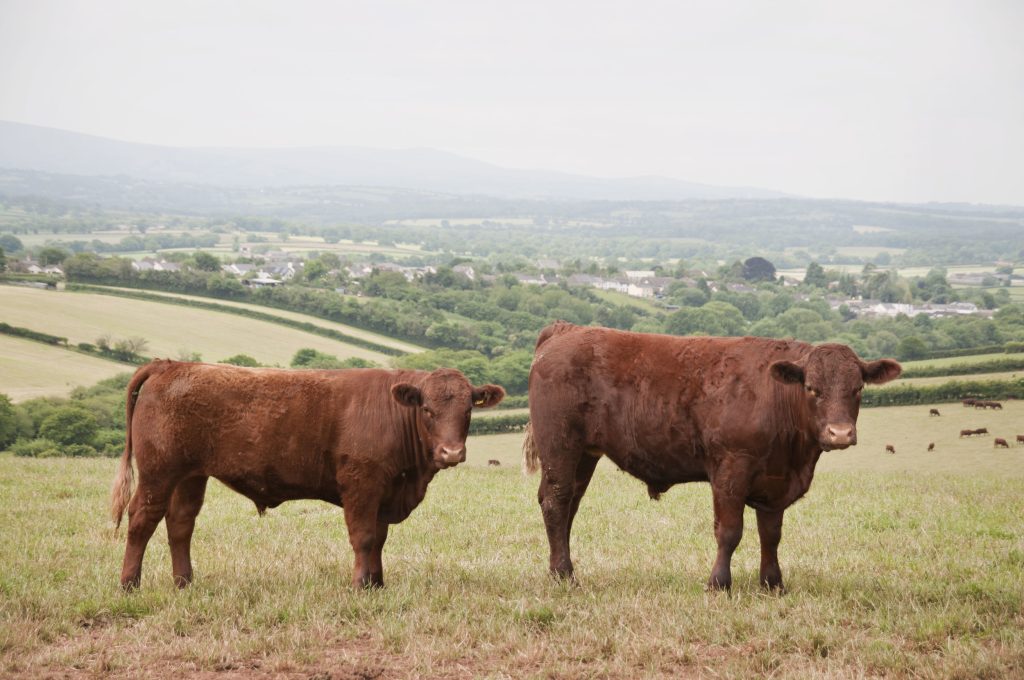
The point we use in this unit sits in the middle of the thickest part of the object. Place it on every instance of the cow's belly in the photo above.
(269, 492)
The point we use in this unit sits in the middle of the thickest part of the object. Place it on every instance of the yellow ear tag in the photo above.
(478, 403)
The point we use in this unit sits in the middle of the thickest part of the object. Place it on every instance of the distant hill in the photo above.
(29, 147)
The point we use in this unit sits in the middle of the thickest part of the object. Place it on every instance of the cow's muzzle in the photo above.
(838, 436)
(448, 456)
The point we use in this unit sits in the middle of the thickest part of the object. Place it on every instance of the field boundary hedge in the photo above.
(86, 348)
(240, 311)
(954, 390)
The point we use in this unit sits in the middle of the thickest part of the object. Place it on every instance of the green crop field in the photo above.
(169, 329)
(905, 566)
(31, 369)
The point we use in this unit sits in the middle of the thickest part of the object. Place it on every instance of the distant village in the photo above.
(280, 267)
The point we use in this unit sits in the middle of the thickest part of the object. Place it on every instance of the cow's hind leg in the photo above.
(185, 504)
(769, 528)
(148, 506)
(562, 485)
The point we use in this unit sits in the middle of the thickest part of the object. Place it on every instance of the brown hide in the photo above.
(369, 440)
(749, 415)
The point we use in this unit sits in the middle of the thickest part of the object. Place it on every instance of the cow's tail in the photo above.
(531, 460)
(121, 492)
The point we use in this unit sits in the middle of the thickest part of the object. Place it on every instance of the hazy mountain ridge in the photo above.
(30, 147)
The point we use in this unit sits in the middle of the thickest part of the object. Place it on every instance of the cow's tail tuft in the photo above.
(531, 460)
(121, 492)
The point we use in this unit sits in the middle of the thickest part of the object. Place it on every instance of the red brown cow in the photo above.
(931, 446)
(749, 415)
(369, 440)
(889, 448)
(966, 433)
(981, 430)
(934, 412)
(1020, 439)
(1000, 443)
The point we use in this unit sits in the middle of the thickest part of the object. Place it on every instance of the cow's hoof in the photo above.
(719, 584)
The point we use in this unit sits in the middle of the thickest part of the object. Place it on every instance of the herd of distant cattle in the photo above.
(750, 416)
(997, 442)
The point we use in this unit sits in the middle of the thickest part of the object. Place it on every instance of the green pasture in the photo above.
(897, 570)
(170, 330)
(31, 369)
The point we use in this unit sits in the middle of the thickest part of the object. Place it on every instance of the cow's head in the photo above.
(445, 400)
(832, 378)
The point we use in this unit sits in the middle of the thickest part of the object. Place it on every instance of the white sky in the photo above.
(910, 100)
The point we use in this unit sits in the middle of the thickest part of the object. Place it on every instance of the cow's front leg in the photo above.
(376, 564)
(729, 487)
(361, 511)
(769, 528)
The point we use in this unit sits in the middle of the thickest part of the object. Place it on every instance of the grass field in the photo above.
(169, 329)
(31, 369)
(949, 361)
(340, 327)
(904, 571)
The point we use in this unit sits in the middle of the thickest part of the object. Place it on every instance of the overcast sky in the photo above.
(914, 100)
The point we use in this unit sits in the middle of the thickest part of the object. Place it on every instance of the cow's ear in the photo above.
(787, 372)
(881, 371)
(486, 396)
(407, 395)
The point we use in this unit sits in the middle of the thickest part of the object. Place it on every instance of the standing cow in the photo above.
(749, 415)
(369, 440)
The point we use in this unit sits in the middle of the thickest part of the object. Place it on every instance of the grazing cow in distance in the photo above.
(981, 404)
(966, 433)
(1000, 443)
(494, 463)
(934, 412)
(931, 446)
(981, 430)
(889, 448)
(749, 415)
(995, 406)
(1020, 439)
(968, 402)
(368, 440)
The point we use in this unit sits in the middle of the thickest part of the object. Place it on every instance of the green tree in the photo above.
(8, 422)
(240, 360)
(69, 425)
(206, 262)
(11, 243)
(758, 269)
(910, 348)
(815, 276)
(52, 255)
(3, 261)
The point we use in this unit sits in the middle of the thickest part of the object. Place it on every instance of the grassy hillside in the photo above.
(342, 328)
(30, 369)
(169, 329)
